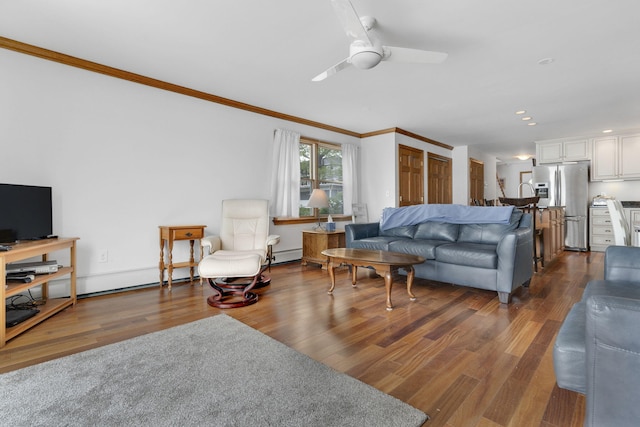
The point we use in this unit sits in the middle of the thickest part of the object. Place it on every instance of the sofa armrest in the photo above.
(622, 263)
(613, 360)
(515, 259)
(360, 231)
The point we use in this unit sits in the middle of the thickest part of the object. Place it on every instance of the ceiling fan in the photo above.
(365, 50)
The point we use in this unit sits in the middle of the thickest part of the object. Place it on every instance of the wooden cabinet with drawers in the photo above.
(600, 229)
(316, 241)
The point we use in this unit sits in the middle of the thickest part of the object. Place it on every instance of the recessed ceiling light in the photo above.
(545, 61)
(526, 118)
(607, 131)
(520, 112)
(531, 124)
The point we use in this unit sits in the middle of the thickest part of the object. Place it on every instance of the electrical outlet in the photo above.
(103, 256)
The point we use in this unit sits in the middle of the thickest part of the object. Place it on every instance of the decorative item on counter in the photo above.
(601, 200)
(331, 226)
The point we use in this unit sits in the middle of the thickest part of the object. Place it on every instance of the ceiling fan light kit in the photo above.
(364, 57)
(366, 51)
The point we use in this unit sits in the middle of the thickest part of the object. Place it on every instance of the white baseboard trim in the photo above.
(133, 279)
(287, 256)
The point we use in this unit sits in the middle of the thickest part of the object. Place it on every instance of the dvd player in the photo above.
(38, 267)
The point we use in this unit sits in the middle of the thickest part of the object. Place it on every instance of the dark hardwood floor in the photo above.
(456, 353)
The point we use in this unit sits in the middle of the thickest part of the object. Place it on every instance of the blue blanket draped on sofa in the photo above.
(455, 214)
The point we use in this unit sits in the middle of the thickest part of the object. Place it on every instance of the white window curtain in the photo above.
(350, 184)
(285, 175)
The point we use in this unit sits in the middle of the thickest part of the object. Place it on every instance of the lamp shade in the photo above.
(318, 199)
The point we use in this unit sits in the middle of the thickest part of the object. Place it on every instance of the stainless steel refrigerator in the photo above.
(566, 185)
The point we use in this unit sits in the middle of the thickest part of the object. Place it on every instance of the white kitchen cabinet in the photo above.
(615, 157)
(562, 151)
(604, 163)
(632, 216)
(629, 152)
(600, 229)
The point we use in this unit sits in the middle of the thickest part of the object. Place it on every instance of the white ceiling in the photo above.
(265, 53)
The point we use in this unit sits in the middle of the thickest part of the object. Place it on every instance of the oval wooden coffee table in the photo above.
(383, 262)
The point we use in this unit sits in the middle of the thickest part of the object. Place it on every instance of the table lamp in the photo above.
(318, 200)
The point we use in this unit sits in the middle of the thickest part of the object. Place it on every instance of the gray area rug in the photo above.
(215, 372)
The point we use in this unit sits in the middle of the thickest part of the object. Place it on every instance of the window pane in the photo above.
(329, 164)
(305, 194)
(330, 177)
(324, 172)
(334, 192)
(305, 162)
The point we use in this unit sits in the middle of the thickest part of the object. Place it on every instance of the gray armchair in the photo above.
(597, 350)
(613, 361)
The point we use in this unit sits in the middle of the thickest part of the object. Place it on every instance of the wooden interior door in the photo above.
(411, 171)
(439, 179)
(476, 180)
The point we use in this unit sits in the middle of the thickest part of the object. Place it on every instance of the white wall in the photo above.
(378, 160)
(460, 184)
(123, 158)
(625, 190)
(511, 174)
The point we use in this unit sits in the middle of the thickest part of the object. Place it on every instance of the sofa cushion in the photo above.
(468, 254)
(432, 230)
(569, 351)
(423, 248)
(622, 263)
(614, 288)
(406, 231)
(488, 233)
(380, 243)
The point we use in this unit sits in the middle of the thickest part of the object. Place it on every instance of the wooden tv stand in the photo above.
(25, 250)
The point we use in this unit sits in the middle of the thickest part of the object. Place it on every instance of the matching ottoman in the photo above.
(218, 268)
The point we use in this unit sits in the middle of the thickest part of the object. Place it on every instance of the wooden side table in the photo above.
(316, 241)
(171, 233)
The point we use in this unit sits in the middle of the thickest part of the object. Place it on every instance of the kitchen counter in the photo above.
(625, 204)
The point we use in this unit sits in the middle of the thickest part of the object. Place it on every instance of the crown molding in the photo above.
(95, 67)
(407, 133)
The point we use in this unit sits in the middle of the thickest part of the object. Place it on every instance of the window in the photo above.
(320, 167)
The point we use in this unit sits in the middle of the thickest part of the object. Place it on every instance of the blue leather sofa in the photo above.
(597, 350)
(497, 257)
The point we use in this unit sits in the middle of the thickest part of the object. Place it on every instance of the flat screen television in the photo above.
(25, 212)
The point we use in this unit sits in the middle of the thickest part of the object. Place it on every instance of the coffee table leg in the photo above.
(387, 284)
(410, 275)
(354, 274)
(332, 274)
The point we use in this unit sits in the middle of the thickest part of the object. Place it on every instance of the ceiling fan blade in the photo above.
(333, 70)
(350, 21)
(404, 54)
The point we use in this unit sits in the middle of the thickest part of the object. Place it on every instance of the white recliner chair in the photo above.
(243, 249)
